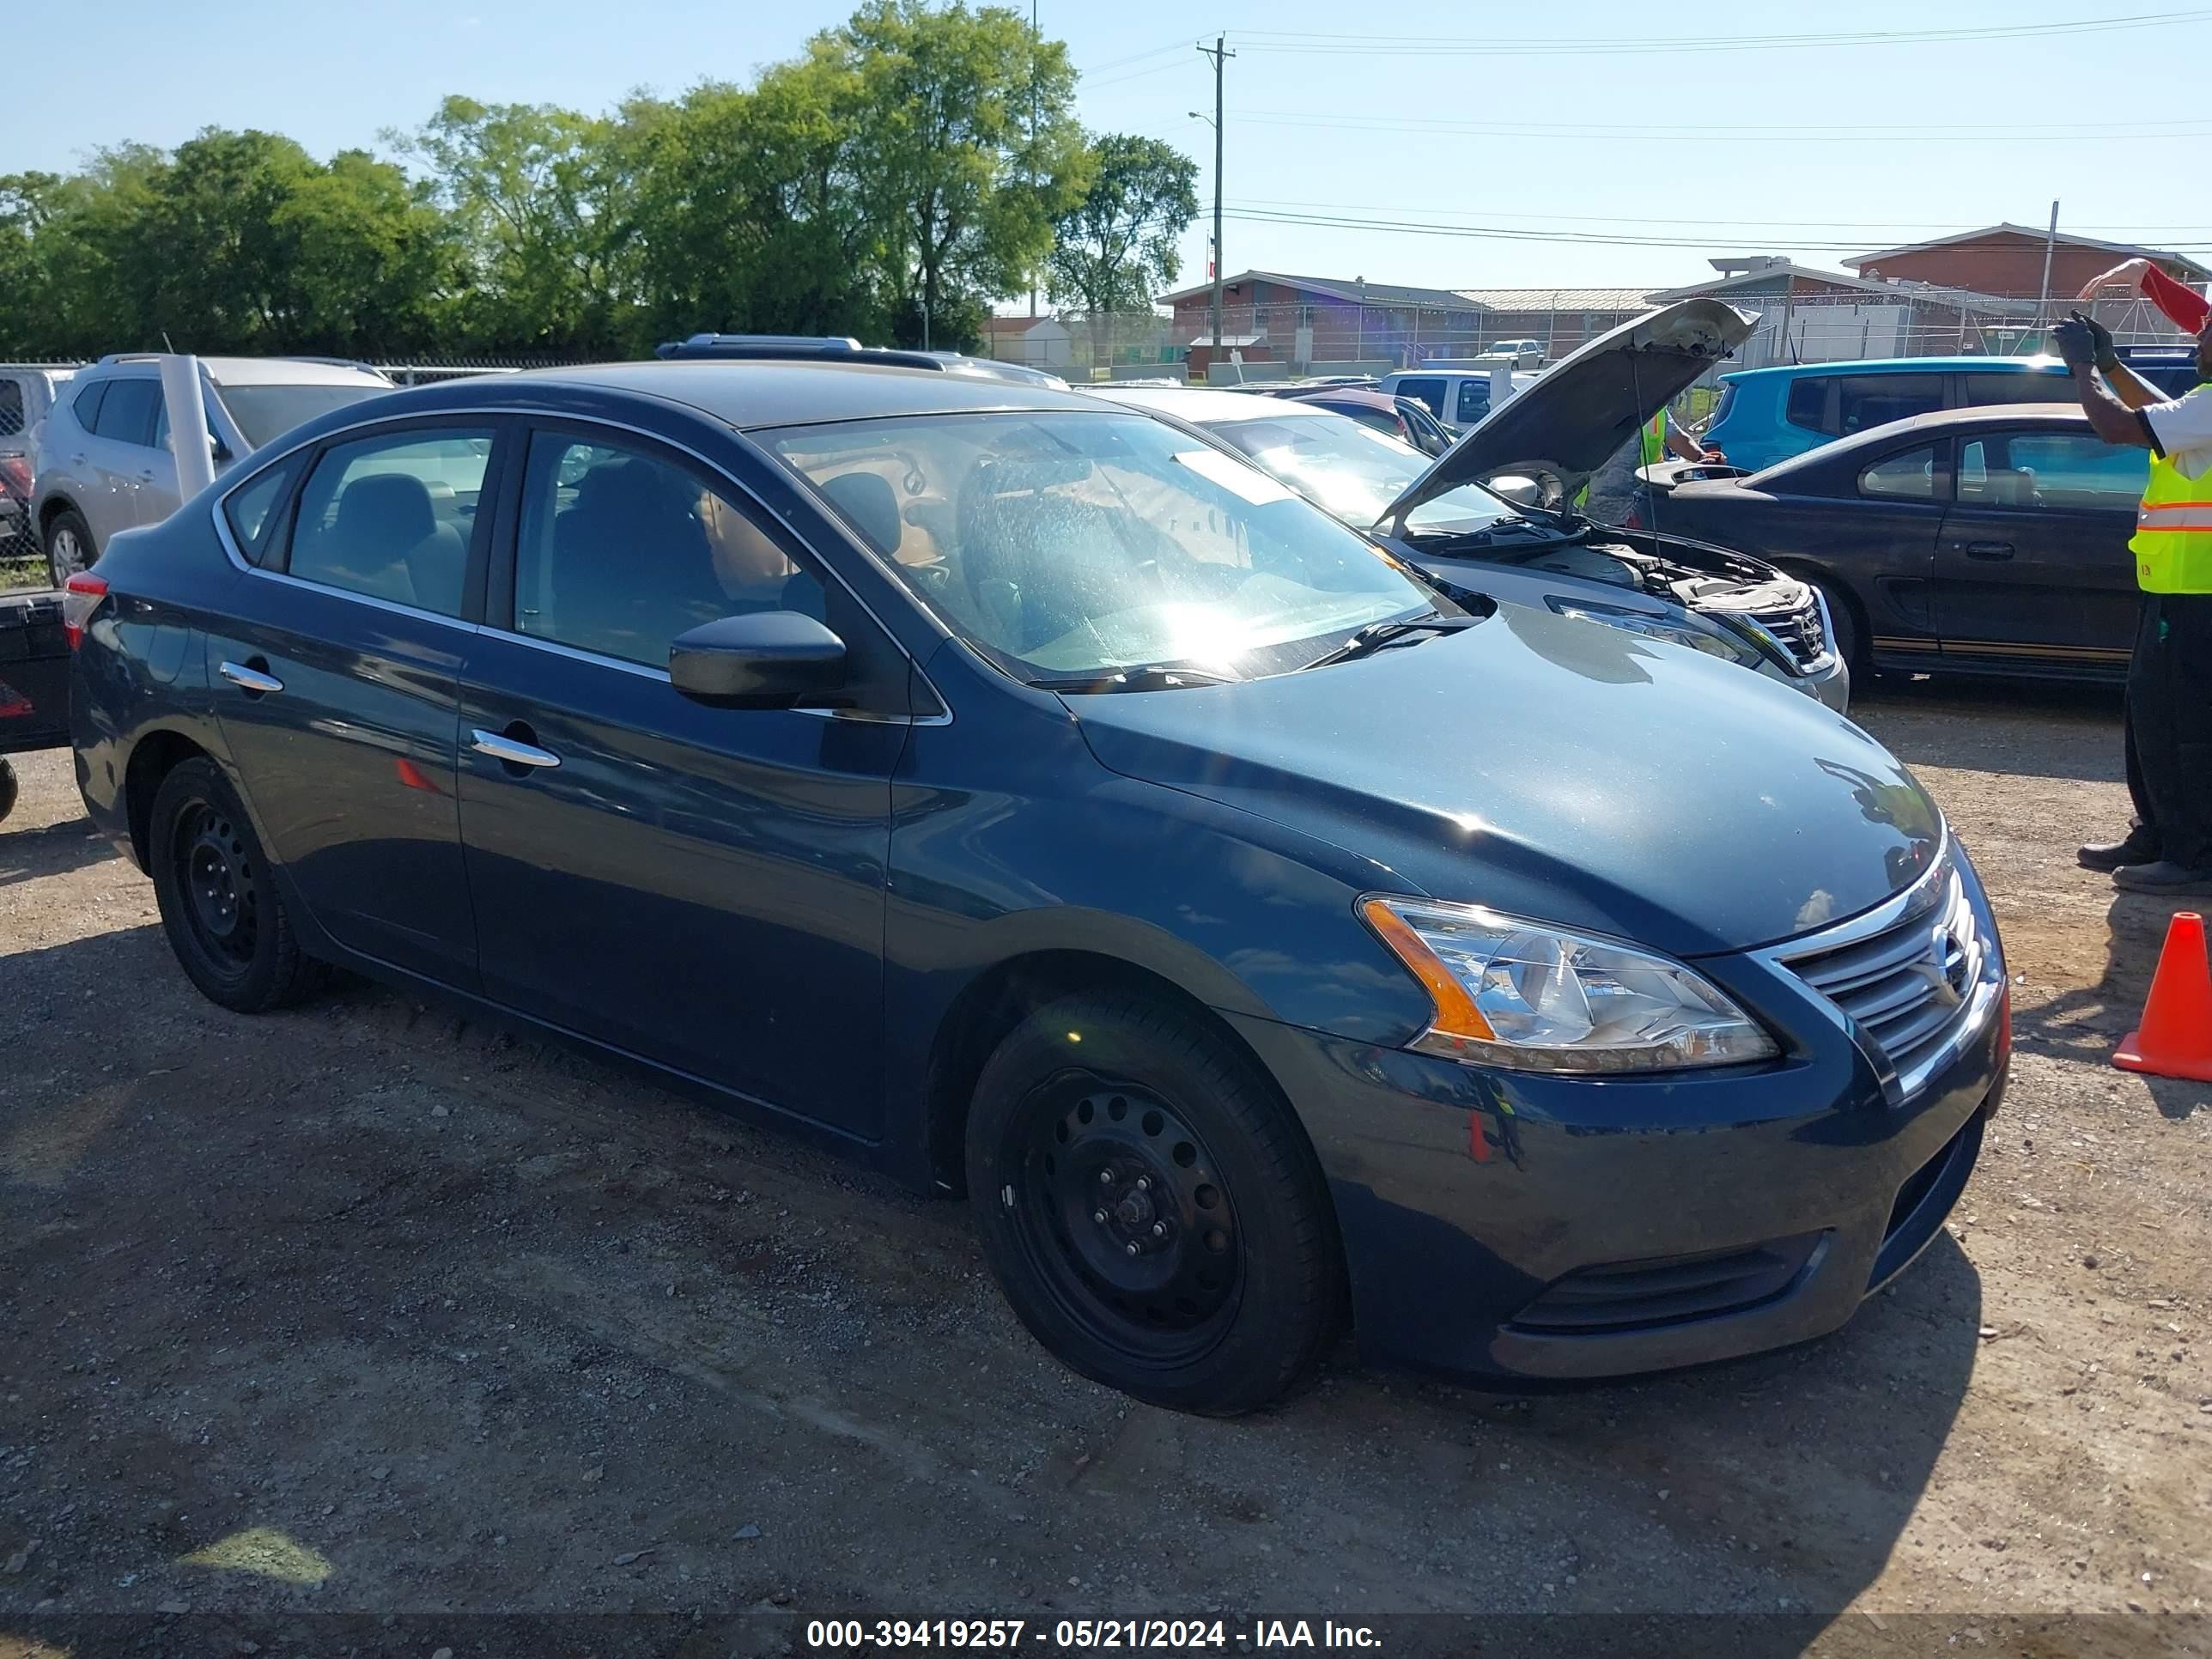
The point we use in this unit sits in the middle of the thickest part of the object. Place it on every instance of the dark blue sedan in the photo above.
(1034, 799)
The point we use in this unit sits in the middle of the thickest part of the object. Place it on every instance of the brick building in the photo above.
(2007, 259)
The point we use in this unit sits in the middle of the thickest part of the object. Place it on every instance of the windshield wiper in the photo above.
(1143, 676)
(1376, 634)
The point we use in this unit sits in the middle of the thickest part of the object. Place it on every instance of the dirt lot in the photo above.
(364, 1328)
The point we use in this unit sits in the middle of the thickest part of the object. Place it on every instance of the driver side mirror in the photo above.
(763, 660)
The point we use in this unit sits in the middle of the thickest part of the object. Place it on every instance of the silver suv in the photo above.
(101, 456)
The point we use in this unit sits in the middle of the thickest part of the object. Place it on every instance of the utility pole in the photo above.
(2049, 241)
(1033, 132)
(1219, 53)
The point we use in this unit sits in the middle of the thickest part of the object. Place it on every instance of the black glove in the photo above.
(2076, 341)
(2100, 338)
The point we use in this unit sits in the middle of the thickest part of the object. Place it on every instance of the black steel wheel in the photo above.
(7, 787)
(1151, 1210)
(224, 916)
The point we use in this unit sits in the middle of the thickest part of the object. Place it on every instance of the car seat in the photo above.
(385, 540)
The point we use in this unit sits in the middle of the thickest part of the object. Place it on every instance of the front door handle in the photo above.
(250, 680)
(1988, 550)
(512, 751)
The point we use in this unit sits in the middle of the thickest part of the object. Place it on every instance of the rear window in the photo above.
(11, 408)
(1430, 394)
(264, 412)
(1727, 402)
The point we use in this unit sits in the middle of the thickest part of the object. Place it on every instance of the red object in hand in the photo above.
(2184, 306)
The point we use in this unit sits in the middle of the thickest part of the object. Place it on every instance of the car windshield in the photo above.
(1070, 543)
(264, 412)
(1355, 471)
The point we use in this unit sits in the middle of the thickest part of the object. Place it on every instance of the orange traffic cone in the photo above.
(2175, 1038)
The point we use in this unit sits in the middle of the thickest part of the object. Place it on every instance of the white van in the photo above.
(1458, 395)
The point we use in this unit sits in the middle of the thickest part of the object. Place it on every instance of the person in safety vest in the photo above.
(1614, 492)
(2169, 732)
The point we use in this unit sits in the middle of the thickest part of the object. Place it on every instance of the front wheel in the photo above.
(69, 546)
(224, 917)
(1149, 1208)
(7, 787)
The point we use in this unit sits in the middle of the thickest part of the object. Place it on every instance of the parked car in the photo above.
(27, 391)
(1527, 353)
(1460, 398)
(1767, 415)
(1441, 517)
(33, 680)
(1031, 797)
(743, 348)
(1990, 539)
(103, 463)
(1401, 418)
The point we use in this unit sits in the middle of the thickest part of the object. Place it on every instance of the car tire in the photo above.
(220, 907)
(7, 786)
(70, 546)
(1150, 1209)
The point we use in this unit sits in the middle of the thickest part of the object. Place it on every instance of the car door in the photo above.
(119, 454)
(702, 886)
(337, 678)
(1879, 540)
(2032, 567)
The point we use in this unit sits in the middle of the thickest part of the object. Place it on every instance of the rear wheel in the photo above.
(225, 919)
(7, 787)
(69, 545)
(1149, 1208)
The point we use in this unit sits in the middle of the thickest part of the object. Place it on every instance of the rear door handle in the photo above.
(1988, 550)
(249, 679)
(512, 751)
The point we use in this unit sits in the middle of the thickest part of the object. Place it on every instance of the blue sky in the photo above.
(1572, 126)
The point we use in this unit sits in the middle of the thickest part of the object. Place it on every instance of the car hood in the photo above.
(1554, 769)
(1590, 402)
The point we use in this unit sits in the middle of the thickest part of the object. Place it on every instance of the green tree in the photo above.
(962, 149)
(538, 199)
(1115, 247)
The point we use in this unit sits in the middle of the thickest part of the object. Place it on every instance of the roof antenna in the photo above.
(165, 346)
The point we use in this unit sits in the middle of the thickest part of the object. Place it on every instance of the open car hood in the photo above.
(1590, 402)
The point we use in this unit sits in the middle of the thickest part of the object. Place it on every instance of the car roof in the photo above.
(1365, 397)
(753, 393)
(1207, 407)
(259, 371)
(1935, 424)
(1901, 366)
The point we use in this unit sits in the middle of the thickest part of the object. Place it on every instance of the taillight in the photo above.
(15, 475)
(81, 597)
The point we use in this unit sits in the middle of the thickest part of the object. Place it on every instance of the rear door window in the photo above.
(1870, 400)
(2079, 470)
(392, 517)
(127, 413)
(1429, 393)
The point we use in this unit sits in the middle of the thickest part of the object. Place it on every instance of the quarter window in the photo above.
(1473, 402)
(1910, 473)
(127, 413)
(86, 405)
(251, 509)
(392, 517)
(1808, 403)
(620, 552)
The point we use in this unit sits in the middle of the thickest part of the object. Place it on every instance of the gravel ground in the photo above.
(364, 1327)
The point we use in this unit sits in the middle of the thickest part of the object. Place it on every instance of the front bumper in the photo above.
(1506, 1225)
(1829, 682)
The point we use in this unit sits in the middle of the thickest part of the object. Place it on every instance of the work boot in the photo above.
(2165, 878)
(2140, 847)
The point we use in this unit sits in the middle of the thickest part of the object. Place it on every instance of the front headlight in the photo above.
(1713, 641)
(1532, 997)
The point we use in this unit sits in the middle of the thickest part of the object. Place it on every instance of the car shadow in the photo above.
(2032, 728)
(50, 850)
(2087, 1022)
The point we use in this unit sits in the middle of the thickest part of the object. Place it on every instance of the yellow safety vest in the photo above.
(2172, 543)
(1654, 438)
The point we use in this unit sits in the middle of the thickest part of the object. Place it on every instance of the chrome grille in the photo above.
(1910, 979)
(1797, 629)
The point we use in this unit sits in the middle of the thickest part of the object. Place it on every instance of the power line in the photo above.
(1773, 135)
(2162, 128)
(1406, 46)
(1891, 226)
(1500, 233)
